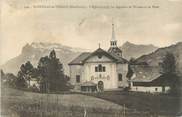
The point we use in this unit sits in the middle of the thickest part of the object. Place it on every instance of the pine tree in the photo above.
(25, 74)
(2, 73)
(20, 81)
(51, 70)
(168, 64)
(168, 72)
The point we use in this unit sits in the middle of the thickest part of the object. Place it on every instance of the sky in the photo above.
(136, 21)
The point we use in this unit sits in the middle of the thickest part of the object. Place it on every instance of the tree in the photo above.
(168, 64)
(169, 74)
(43, 69)
(8, 79)
(130, 71)
(2, 73)
(20, 81)
(2, 76)
(52, 73)
(25, 74)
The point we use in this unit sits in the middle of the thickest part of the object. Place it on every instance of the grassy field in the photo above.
(16, 103)
(154, 104)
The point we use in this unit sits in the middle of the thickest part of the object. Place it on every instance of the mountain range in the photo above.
(131, 50)
(34, 51)
(154, 58)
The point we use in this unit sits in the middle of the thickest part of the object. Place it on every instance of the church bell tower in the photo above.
(113, 44)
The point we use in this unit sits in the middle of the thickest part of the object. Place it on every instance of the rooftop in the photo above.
(86, 55)
(144, 73)
(79, 60)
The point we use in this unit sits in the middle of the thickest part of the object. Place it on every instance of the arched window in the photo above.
(100, 68)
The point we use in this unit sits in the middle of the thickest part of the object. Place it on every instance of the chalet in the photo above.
(148, 79)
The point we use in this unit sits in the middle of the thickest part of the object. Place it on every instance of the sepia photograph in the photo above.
(91, 58)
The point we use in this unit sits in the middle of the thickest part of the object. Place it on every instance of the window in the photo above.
(120, 77)
(77, 78)
(96, 69)
(103, 68)
(156, 89)
(100, 68)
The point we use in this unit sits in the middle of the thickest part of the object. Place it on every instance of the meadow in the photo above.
(16, 103)
(155, 104)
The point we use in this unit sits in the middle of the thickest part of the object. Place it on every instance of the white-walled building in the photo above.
(100, 70)
(148, 79)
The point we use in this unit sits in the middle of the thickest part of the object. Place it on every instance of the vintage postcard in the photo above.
(91, 58)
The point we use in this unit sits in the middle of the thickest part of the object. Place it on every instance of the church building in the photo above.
(99, 70)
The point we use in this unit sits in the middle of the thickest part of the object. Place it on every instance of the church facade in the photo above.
(99, 70)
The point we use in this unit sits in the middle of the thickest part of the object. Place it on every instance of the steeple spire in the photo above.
(113, 42)
(113, 32)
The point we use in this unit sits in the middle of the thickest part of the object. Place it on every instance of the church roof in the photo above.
(86, 55)
(119, 59)
(100, 51)
(79, 60)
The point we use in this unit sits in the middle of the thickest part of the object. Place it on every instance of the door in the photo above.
(100, 86)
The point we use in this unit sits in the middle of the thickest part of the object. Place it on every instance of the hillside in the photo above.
(33, 52)
(154, 58)
(135, 51)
